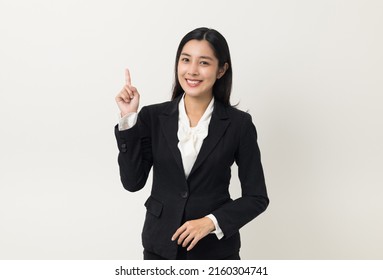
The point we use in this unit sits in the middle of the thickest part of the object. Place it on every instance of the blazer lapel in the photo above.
(169, 125)
(217, 127)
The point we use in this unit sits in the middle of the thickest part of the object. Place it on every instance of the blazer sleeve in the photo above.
(254, 200)
(135, 157)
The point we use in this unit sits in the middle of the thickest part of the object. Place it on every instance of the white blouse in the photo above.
(190, 141)
(191, 138)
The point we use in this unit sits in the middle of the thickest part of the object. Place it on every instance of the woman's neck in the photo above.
(195, 107)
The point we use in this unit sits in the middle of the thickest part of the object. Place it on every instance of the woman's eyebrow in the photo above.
(206, 57)
(203, 56)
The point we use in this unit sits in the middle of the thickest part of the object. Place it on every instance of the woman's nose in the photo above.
(193, 69)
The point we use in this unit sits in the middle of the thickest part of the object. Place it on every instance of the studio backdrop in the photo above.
(309, 72)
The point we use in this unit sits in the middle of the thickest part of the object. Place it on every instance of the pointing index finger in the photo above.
(127, 77)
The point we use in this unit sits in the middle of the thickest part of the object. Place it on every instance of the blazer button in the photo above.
(123, 148)
(184, 194)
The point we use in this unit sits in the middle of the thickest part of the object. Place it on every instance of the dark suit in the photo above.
(152, 142)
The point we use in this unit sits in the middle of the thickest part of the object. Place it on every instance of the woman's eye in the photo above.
(204, 63)
(184, 59)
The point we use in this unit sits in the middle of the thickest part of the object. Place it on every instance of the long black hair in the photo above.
(222, 86)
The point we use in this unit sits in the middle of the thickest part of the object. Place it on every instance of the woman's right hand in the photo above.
(128, 99)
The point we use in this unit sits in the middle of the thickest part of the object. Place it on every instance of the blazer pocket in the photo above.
(154, 206)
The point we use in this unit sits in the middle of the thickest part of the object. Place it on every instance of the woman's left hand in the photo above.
(193, 231)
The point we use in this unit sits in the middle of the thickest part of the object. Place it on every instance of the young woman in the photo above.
(191, 143)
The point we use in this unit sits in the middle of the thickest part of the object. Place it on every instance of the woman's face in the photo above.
(198, 69)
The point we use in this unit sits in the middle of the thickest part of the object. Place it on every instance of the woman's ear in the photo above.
(222, 70)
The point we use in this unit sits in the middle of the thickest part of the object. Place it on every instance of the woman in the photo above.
(191, 143)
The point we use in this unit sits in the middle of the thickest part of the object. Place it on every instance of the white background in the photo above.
(309, 72)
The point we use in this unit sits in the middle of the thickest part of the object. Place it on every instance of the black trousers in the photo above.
(181, 255)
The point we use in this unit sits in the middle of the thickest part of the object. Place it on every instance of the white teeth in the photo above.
(193, 82)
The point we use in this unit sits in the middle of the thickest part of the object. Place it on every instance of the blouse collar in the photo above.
(205, 117)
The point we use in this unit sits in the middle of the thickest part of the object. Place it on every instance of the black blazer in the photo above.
(152, 142)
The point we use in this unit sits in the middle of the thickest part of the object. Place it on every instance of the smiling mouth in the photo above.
(193, 83)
